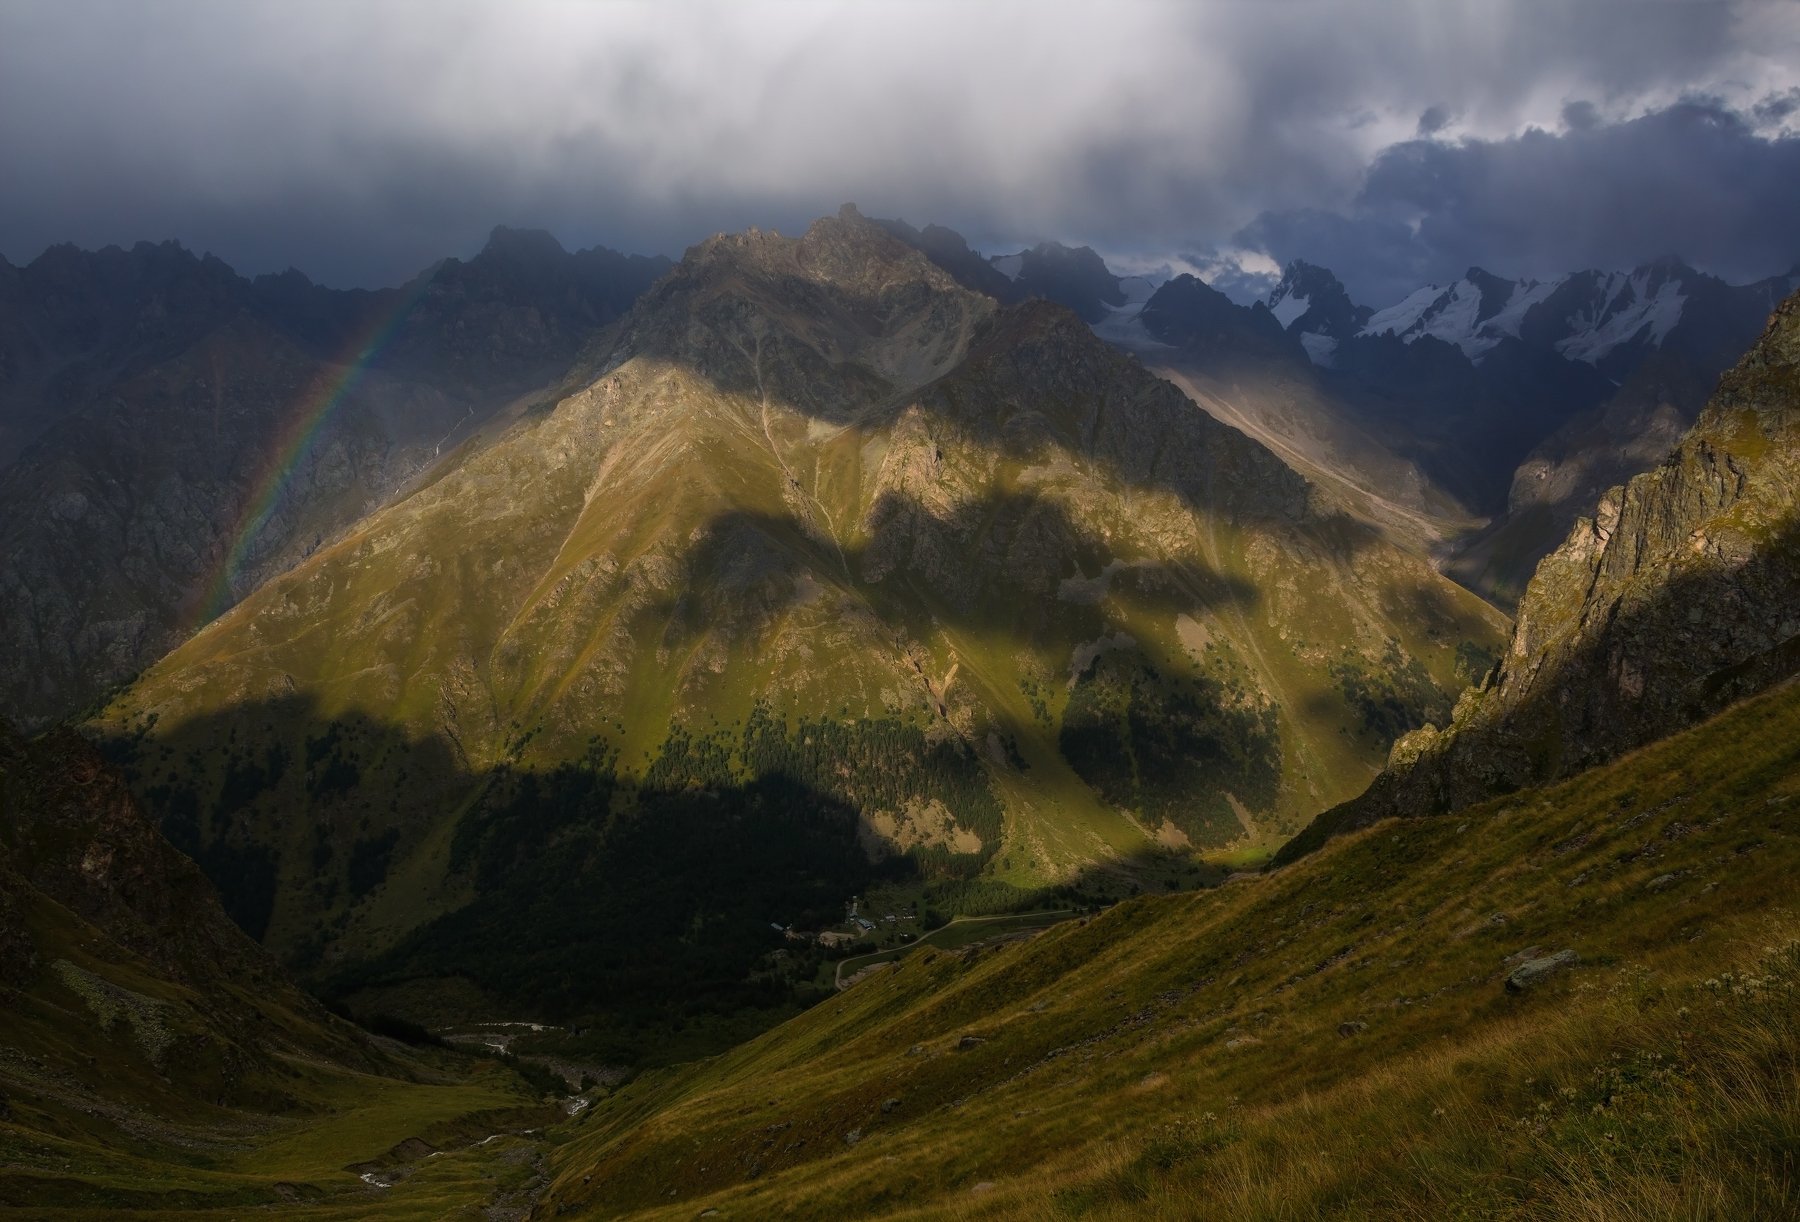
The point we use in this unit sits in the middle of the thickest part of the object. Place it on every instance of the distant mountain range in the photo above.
(1459, 400)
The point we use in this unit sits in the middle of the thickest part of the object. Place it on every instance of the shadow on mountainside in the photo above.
(849, 326)
(1000, 565)
(574, 894)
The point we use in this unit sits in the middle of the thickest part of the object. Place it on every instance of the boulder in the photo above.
(1533, 971)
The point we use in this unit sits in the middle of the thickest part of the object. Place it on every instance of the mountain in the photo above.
(1482, 310)
(1311, 303)
(1610, 320)
(1475, 421)
(828, 573)
(1566, 473)
(1368, 409)
(1564, 1000)
(171, 434)
(1665, 333)
(1680, 594)
(1073, 276)
(155, 1057)
(1573, 1002)
(1472, 421)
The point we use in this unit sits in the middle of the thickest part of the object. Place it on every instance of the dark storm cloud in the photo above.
(1695, 180)
(1434, 120)
(361, 141)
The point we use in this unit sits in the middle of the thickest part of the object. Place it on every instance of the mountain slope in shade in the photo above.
(171, 434)
(156, 1060)
(1302, 1043)
(1680, 593)
(1566, 474)
(1072, 276)
(834, 572)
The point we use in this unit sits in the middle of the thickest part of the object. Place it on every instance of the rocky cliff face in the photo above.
(172, 434)
(1680, 594)
(1567, 473)
(1309, 300)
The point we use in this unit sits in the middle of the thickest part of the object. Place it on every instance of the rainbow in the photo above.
(294, 441)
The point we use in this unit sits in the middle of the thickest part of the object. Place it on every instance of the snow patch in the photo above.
(1629, 309)
(1399, 319)
(1320, 348)
(1137, 289)
(1454, 315)
(1122, 327)
(1525, 295)
(1289, 308)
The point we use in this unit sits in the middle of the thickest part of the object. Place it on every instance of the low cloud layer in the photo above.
(1395, 141)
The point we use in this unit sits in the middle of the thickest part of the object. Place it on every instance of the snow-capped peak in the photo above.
(1475, 313)
(1585, 317)
(1311, 303)
(1621, 310)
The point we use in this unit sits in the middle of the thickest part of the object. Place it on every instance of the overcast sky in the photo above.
(1396, 142)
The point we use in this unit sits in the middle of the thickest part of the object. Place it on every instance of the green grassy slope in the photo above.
(833, 573)
(1332, 1038)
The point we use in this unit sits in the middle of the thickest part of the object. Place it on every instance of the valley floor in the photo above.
(462, 1142)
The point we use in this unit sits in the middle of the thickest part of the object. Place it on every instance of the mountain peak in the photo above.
(514, 245)
(1311, 300)
(1074, 276)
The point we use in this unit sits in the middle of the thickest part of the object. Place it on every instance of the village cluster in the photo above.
(856, 926)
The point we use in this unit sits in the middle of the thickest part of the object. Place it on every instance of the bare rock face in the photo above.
(1680, 594)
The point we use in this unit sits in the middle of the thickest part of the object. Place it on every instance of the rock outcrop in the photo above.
(1679, 595)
